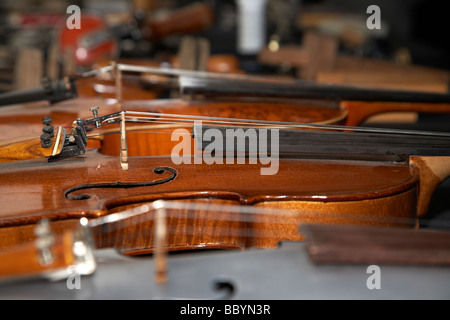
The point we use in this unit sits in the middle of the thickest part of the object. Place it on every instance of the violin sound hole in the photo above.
(159, 170)
(124, 185)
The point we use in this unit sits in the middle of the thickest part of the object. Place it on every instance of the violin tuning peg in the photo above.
(47, 121)
(45, 140)
(49, 130)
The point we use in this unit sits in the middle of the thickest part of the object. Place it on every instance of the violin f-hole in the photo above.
(118, 184)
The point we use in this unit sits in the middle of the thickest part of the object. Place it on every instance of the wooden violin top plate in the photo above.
(34, 189)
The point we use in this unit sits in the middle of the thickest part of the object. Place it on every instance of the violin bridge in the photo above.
(123, 144)
(160, 237)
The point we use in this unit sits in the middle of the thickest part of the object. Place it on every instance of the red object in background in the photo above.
(89, 44)
(37, 20)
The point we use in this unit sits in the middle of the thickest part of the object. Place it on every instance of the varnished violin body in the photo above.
(25, 120)
(18, 121)
(94, 185)
(321, 191)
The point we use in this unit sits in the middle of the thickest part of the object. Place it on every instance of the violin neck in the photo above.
(299, 89)
(387, 146)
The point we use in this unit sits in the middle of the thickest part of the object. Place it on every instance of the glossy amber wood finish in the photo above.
(23, 260)
(327, 190)
(27, 148)
(147, 141)
(25, 120)
(359, 111)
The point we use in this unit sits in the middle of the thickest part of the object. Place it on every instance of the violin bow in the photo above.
(212, 83)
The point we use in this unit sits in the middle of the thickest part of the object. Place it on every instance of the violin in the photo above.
(143, 86)
(261, 98)
(357, 173)
(348, 175)
(59, 198)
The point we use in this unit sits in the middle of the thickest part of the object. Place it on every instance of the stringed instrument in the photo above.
(333, 174)
(330, 182)
(144, 86)
(260, 98)
(365, 171)
(55, 254)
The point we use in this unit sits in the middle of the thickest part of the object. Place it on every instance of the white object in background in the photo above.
(251, 26)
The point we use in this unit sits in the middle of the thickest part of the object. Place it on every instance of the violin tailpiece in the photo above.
(60, 136)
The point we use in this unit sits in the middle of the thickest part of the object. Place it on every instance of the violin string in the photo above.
(166, 71)
(183, 119)
(172, 76)
(189, 119)
(169, 71)
(171, 82)
(189, 75)
(216, 120)
(183, 122)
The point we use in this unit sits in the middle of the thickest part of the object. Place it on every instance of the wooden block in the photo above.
(29, 68)
(194, 54)
(321, 52)
(293, 55)
(341, 244)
